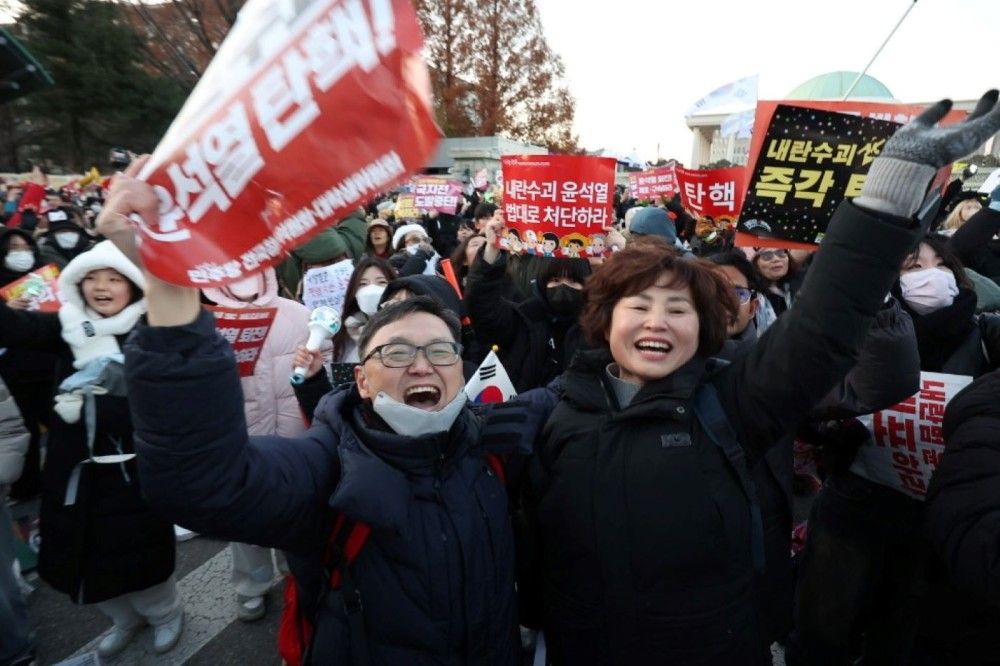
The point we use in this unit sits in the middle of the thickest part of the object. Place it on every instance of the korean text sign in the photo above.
(810, 162)
(907, 439)
(557, 205)
(40, 287)
(327, 285)
(245, 329)
(309, 109)
(806, 157)
(436, 193)
(715, 192)
(661, 182)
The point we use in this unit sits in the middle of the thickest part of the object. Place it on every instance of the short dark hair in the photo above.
(393, 312)
(637, 267)
(484, 210)
(577, 270)
(575, 241)
(549, 236)
(738, 260)
(949, 259)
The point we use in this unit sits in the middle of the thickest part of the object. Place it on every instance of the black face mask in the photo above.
(564, 300)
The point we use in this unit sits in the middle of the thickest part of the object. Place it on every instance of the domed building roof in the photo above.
(835, 84)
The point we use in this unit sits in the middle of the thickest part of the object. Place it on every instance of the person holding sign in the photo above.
(649, 528)
(860, 520)
(538, 336)
(101, 543)
(398, 452)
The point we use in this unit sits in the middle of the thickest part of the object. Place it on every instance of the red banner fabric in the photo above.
(307, 111)
(245, 329)
(715, 192)
(557, 205)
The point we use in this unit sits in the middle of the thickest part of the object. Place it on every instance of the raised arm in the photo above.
(198, 466)
(972, 240)
(493, 317)
(803, 356)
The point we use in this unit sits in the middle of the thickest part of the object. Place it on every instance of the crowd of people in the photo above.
(633, 504)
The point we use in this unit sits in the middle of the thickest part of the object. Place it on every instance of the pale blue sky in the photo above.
(635, 66)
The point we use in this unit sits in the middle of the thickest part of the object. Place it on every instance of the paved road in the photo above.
(212, 634)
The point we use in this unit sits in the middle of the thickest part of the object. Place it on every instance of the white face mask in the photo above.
(928, 290)
(19, 261)
(413, 422)
(413, 249)
(66, 239)
(368, 298)
(245, 289)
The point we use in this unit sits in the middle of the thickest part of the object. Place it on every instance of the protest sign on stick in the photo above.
(806, 158)
(309, 109)
(40, 287)
(557, 205)
(907, 439)
(245, 329)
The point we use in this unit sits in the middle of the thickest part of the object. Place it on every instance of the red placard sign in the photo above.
(715, 192)
(246, 330)
(308, 110)
(40, 287)
(886, 111)
(557, 205)
(661, 182)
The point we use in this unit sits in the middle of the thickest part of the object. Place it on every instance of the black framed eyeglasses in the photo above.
(403, 354)
(743, 294)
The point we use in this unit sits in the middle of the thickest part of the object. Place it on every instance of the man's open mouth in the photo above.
(422, 397)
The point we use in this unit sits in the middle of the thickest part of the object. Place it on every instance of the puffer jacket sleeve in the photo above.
(887, 371)
(971, 242)
(199, 468)
(494, 318)
(963, 505)
(14, 439)
(769, 390)
(37, 331)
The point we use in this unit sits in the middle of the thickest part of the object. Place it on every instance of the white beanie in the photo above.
(400, 234)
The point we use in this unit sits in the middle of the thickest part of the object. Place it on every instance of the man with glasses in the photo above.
(399, 453)
(746, 282)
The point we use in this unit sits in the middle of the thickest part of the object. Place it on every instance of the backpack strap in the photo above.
(716, 424)
(346, 540)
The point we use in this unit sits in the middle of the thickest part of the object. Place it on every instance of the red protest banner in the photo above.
(908, 438)
(874, 111)
(307, 110)
(659, 182)
(246, 330)
(40, 287)
(557, 200)
(715, 192)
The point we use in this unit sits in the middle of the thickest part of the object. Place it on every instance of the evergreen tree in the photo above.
(102, 96)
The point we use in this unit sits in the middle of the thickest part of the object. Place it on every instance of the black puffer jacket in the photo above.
(645, 529)
(963, 523)
(108, 542)
(535, 344)
(436, 575)
(974, 244)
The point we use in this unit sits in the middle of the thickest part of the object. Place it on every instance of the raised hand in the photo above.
(923, 143)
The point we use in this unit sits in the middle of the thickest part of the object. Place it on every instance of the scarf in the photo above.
(939, 333)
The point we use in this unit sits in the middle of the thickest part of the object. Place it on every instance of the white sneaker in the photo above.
(166, 635)
(250, 609)
(183, 534)
(117, 640)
